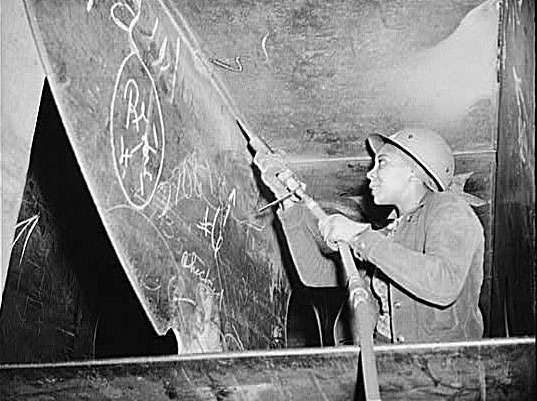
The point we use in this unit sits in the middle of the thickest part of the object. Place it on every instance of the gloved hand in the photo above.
(276, 175)
(338, 228)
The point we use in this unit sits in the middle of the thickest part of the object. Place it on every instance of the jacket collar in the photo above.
(409, 214)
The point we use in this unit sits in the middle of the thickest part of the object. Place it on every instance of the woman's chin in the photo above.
(378, 200)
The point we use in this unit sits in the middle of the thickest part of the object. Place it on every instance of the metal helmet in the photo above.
(425, 147)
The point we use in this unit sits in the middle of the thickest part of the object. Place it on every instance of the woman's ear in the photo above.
(415, 177)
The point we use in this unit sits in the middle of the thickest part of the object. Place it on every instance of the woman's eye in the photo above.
(382, 163)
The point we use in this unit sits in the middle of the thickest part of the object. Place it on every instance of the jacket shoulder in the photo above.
(447, 198)
(451, 204)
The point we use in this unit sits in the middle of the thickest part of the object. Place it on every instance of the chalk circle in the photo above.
(137, 133)
(150, 266)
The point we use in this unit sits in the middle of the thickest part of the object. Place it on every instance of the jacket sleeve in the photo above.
(314, 267)
(436, 275)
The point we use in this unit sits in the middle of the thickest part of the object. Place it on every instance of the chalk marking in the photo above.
(131, 105)
(162, 55)
(186, 300)
(188, 178)
(186, 183)
(166, 213)
(157, 286)
(218, 223)
(188, 262)
(517, 11)
(132, 89)
(264, 46)
(154, 31)
(166, 207)
(24, 222)
(155, 136)
(226, 66)
(117, 21)
(124, 156)
(95, 336)
(30, 222)
(130, 271)
(163, 60)
(522, 116)
(177, 49)
(237, 342)
(209, 228)
(166, 226)
(230, 203)
(69, 333)
(38, 306)
(144, 142)
(195, 50)
(238, 338)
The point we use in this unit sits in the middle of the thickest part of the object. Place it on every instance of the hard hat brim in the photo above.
(376, 141)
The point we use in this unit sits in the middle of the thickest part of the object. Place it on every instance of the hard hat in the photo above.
(427, 148)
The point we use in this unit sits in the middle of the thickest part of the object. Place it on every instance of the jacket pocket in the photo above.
(441, 319)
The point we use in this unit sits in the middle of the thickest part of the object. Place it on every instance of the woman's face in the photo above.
(390, 176)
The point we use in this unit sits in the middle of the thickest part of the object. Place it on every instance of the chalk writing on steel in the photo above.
(165, 65)
(35, 308)
(29, 223)
(522, 117)
(193, 207)
(264, 46)
(227, 66)
(214, 223)
(189, 261)
(136, 124)
(194, 179)
(135, 14)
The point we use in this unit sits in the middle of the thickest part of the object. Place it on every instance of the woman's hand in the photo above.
(338, 228)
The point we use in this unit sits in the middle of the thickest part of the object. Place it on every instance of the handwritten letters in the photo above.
(167, 177)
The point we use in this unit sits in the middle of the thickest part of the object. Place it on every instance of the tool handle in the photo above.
(360, 318)
(312, 205)
(358, 295)
(361, 323)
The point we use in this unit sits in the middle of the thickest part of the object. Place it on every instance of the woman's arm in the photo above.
(308, 251)
(437, 275)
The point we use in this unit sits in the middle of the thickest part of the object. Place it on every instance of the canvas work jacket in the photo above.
(431, 264)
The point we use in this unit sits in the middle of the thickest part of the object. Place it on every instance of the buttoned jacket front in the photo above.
(434, 264)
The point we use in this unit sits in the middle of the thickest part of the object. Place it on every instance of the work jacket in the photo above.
(432, 263)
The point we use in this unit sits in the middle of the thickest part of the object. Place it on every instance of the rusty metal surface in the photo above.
(317, 77)
(515, 183)
(44, 315)
(149, 92)
(167, 168)
(21, 82)
(492, 369)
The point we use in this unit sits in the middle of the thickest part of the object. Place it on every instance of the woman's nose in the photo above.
(370, 173)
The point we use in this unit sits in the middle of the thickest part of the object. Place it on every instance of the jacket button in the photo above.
(397, 304)
(400, 339)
